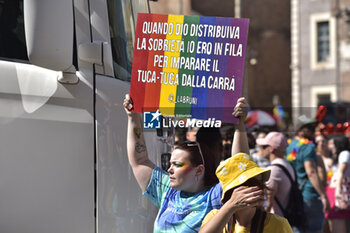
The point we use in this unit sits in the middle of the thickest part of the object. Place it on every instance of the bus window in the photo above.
(122, 24)
(12, 39)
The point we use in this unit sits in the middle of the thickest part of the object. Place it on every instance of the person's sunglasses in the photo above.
(190, 143)
(265, 146)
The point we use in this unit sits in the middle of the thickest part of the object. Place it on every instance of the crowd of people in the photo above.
(245, 184)
(322, 166)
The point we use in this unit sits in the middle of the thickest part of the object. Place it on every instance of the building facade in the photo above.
(341, 11)
(268, 72)
(320, 54)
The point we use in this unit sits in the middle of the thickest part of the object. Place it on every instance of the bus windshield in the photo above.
(122, 24)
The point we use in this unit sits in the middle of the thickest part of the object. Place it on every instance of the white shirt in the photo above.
(344, 157)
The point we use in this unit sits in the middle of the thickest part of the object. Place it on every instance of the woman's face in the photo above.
(321, 142)
(181, 172)
(331, 146)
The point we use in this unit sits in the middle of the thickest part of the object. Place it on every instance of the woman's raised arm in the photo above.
(240, 139)
(141, 166)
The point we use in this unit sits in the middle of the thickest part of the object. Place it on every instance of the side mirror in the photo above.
(49, 33)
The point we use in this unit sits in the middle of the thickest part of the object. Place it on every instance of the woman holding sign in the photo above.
(190, 189)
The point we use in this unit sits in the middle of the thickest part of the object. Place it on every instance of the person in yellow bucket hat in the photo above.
(235, 174)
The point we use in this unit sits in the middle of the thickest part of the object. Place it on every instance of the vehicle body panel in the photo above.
(46, 155)
(63, 160)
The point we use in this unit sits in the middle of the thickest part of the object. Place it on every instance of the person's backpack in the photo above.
(294, 211)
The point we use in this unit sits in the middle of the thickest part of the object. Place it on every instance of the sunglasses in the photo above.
(191, 143)
(265, 146)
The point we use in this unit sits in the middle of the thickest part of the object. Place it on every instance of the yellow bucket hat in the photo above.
(238, 169)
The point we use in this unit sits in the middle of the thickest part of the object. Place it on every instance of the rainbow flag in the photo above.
(278, 112)
(188, 66)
